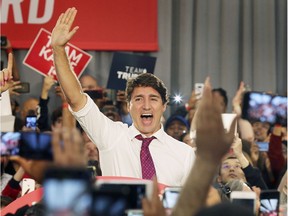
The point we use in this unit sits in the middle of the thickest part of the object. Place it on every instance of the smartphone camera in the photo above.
(36, 146)
(31, 122)
(9, 143)
(269, 202)
(198, 88)
(263, 107)
(24, 88)
(66, 191)
(170, 197)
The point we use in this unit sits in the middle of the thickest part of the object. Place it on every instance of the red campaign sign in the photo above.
(40, 56)
(104, 24)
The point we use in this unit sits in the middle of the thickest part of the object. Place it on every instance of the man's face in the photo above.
(30, 105)
(111, 112)
(219, 99)
(88, 83)
(146, 109)
(176, 128)
(231, 170)
(260, 130)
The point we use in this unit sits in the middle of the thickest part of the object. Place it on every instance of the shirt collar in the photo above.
(134, 132)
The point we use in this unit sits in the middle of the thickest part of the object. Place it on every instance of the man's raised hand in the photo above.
(62, 32)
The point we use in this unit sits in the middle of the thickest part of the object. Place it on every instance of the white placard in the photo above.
(227, 119)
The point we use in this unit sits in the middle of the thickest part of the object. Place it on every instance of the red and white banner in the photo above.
(40, 56)
(104, 24)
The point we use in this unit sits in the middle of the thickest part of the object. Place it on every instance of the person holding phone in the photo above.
(118, 144)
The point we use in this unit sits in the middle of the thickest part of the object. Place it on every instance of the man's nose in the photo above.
(146, 104)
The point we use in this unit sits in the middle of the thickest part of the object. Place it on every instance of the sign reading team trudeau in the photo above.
(40, 56)
(125, 66)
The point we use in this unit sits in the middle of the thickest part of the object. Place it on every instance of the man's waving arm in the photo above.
(61, 35)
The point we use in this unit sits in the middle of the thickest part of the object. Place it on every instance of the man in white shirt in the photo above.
(117, 143)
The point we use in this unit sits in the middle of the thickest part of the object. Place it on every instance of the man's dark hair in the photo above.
(223, 93)
(147, 80)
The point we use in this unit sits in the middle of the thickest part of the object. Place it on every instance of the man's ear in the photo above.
(128, 106)
(164, 107)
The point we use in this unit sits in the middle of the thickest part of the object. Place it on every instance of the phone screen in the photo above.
(247, 203)
(66, 192)
(247, 199)
(9, 143)
(269, 203)
(259, 106)
(170, 198)
(199, 87)
(35, 145)
(263, 146)
(31, 122)
(132, 192)
(108, 203)
(24, 88)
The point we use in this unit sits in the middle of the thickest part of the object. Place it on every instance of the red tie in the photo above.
(147, 165)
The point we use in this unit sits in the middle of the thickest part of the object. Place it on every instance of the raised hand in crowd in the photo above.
(72, 152)
(245, 128)
(48, 82)
(6, 78)
(212, 144)
(237, 150)
(237, 99)
(8, 49)
(14, 85)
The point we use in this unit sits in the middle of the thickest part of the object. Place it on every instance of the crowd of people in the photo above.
(128, 136)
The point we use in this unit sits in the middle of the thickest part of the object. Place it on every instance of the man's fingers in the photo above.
(60, 19)
(65, 15)
(71, 16)
(207, 94)
(71, 33)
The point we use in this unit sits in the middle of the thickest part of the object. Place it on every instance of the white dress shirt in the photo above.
(119, 150)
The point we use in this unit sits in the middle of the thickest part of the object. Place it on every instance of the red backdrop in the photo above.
(104, 24)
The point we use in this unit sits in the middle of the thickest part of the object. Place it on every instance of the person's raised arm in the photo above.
(6, 75)
(212, 144)
(245, 128)
(61, 35)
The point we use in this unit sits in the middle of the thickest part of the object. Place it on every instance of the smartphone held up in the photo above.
(264, 107)
(30, 145)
